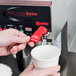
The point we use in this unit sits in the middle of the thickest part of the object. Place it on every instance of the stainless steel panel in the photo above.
(26, 2)
(68, 67)
(71, 17)
(59, 17)
(73, 44)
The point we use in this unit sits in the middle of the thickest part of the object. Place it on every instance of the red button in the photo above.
(0, 29)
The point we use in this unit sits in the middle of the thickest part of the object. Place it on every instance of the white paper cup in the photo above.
(45, 56)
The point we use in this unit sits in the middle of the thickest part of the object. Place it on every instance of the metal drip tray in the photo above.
(68, 66)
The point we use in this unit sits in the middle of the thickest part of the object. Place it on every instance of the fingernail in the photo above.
(58, 67)
(32, 44)
(11, 50)
(28, 37)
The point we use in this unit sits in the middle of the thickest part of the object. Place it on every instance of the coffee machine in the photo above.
(27, 16)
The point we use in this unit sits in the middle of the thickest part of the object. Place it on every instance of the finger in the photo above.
(31, 44)
(16, 32)
(50, 71)
(14, 50)
(11, 48)
(20, 39)
(57, 74)
(17, 48)
(30, 67)
(20, 34)
(21, 47)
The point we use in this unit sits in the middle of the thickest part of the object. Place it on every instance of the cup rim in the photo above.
(47, 59)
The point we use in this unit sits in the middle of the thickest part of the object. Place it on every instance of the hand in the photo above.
(12, 41)
(51, 71)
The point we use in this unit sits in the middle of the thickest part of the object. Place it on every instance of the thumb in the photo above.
(20, 39)
(30, 67)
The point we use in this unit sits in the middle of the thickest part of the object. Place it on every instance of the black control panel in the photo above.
(25, 18)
